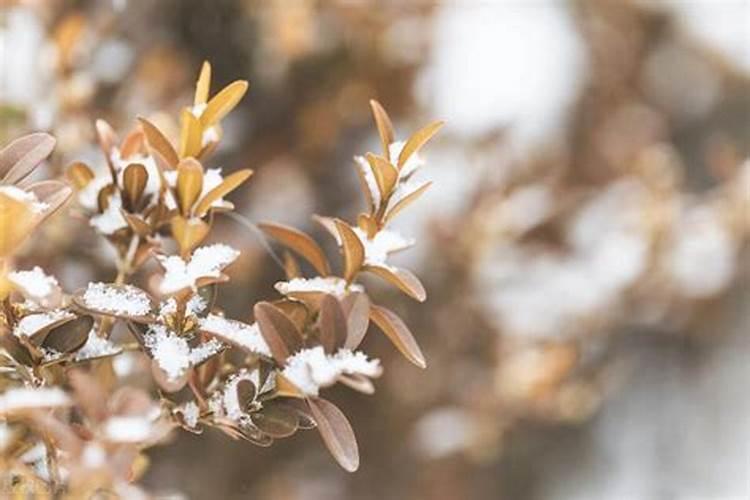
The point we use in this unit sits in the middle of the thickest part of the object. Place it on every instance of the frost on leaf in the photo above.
(245, 336)
(116, 300)
(206, 262)
(311, 369)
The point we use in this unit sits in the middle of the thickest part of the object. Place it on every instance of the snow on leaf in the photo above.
(206, 262)
(238, 333)
(118, 300)
(331, 285)
(34, 284)
(33, 323)
(310, 369)
(96, 347)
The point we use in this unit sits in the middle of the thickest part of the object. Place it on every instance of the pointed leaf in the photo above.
(229, 184)
(299, 242)
(417, 140)
(398, 333)
(158, 141)
(203, 86)
(279, 332)
(406, 201)
(352, 248)
(19, 158)
(385, 128)
(336, 432)
(222, 103)
(401, 278)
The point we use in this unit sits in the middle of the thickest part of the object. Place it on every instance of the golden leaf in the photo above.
(386, 175)
(189, 184)
(352, 248)
(223, 102)
(406, 201)
(134, 179)
(385, 128)
(229, 184)
(79, 174)
(191, 135)
(188, 232)
(203, 85)
(417, 140)
(158, 141)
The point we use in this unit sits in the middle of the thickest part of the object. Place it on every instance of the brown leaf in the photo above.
(203, 86)
(191, 135)
(365, 186)
(403, 279)
(229, 184)
(352, 248)
(134, 179)
(189, 184)
(158, 141)
(291, 266)
(398, 333)
(367, 224)
(300, 243)
(89, 394)
(54, 194)
(296, 311)
(79, 174)
(19, 158)
(279, 332)
(132, 144)
(386, 175)
(406, 201)
(107, 142)
(336, 432)
(276, 421)
(417, 140)
(70, 336)
(356, 307)
(245, 393)
(137, 224)
(385, 128)
(331, 323)
(223, 102)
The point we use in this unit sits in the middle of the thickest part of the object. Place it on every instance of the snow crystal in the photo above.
(206, 262)
(330, 284)
(26, 197)
(173, 353)
(383, 243)
(24, 398)
(120, 300)
(34, 283)
(111, 220)
(236, 332)
(96, 347)
(311, 369)
(32, 323)
(128, 429)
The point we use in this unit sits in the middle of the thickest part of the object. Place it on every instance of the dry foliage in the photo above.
(76, 423)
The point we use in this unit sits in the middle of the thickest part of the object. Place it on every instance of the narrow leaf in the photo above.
(223, 102)
(398, 333)
(189, 184)
(385, 127)
(406, 201)
(300, 243)
(19, 158)
(417, 140)
(356, 307)
(203, 86)
(401, 278)
(229, 184)
(352, 248)
(191, 135)
(158, 141)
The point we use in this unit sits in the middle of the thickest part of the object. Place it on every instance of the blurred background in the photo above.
(584, 244)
